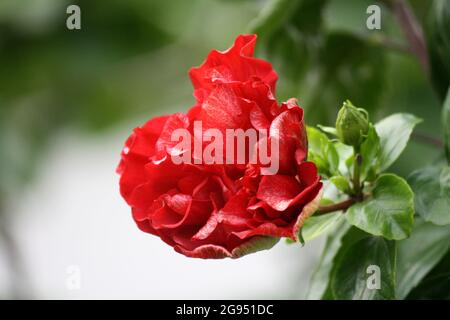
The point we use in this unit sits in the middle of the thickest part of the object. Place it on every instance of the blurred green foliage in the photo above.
(130, 58)
(438, 26)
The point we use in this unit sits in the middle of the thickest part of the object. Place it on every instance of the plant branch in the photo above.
(426, 139)
(340, 206)
(386, 42)
(412, 30)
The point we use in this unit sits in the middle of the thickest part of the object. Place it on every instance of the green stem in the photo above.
(357, 174)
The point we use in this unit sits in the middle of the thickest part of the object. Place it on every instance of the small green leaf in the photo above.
(346, 158)
(322, 152)
(325, 201)
(394, 132)
(255, 244)
(341, 183)
(289, 241)
(321, 164)
(370, 149)
(388, 212)
(359, 266)
(418, 254)
(329, 130)
(317, 225)
(315, 140)
(332, 157)
(432, 193)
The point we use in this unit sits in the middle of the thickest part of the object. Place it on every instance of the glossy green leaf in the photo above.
(388, 212)
(341, 183)
(365, 270)
(418, 254)
(346, 158)
(329, 130)
(431, 187)
(325, 201)
(436, 284)
(318, 225)
(370, 150)
(322, 152)
(394, 132)
(318, 283)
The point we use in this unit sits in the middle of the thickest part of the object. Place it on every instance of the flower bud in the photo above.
(352, 124)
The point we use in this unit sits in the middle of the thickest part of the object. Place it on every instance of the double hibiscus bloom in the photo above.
(223, 210)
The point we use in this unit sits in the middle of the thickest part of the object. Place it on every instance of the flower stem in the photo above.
(344, 205)
(341, 206)
(357, 174)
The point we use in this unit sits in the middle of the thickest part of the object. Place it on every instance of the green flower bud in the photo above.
(352, 124)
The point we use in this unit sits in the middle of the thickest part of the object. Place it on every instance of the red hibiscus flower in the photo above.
(227, 208)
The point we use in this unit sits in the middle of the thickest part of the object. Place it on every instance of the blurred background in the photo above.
(70, 98)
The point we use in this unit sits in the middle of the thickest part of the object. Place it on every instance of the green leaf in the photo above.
(370, 149)
(394, 132)
(322, 152)
(332, 157)
(317, 225)
(388, 212)
(418, 254)
(431, 187)
(320, 278)
(325, 201)
(446, 124)
(316, 140)
(436, 285)
(346, 158)
(341, 183)
(255, 244)
(329, 130)
(359, 264)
